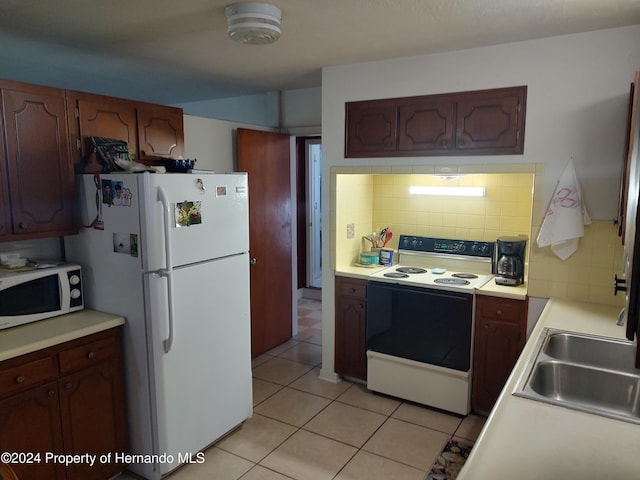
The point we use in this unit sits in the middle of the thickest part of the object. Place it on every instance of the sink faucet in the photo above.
(620, 321)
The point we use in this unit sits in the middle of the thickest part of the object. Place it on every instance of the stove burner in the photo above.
(464, 275)
(396, 275)
(410, 270)
(451, 281)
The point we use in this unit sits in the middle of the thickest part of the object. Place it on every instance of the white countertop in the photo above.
(354, 271)
(526, 440)
(34, 336)
(492, 289)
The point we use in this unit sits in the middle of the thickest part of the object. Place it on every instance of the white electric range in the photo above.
(456, 265)
(420, 317)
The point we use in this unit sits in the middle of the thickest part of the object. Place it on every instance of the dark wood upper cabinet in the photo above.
(5, 206)
(38, 167)
(427, 126)
(100, 116)
(160, 131)
(482, 122)
(491, 122)
(151, 131)
(372, 128)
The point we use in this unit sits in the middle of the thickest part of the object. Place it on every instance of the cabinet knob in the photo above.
(91, 355)
(361, 306)
(23, 225)
(499, 312)
(51, 393)
(253, 261)
(68, 386)
(485, 326)
(20, 379)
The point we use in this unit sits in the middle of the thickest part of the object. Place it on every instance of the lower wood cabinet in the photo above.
(500, 335)
(351, 328)
(67, 399)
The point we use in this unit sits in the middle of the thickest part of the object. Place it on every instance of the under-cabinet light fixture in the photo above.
(448, 191)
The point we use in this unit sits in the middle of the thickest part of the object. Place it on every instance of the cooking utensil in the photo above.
(387, 236)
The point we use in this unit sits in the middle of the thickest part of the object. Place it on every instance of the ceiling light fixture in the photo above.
(253, 23)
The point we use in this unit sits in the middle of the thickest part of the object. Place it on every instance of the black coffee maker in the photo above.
(510, 252)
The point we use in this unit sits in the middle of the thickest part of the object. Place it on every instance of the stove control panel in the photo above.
(443, 245)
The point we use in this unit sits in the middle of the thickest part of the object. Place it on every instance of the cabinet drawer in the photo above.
(351, 288)
(89, 354)
(27, 375)
(510, 311)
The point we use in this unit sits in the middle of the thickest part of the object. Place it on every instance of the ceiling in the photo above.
(176, 51)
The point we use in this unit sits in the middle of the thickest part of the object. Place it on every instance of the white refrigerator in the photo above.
(169, 252)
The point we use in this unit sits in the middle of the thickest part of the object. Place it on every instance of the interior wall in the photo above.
(297, 108)
(212, 142)
(578, 89)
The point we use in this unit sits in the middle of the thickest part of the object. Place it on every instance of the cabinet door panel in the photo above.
(5, 211)
(30, 422)
(491, 122)
(372, 129)
(161, 131)
(92, 406)
(426, 125)
(351, 343)
(99, 116)
(499, 345)
(38, 161)
(351, 328)
(500, 335)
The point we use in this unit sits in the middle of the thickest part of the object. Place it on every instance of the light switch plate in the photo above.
(351, 230)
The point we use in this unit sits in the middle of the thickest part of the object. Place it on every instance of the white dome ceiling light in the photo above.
(253, 23)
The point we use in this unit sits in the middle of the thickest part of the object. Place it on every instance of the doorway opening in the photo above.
(313, 160)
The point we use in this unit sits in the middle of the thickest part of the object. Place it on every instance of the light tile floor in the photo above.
(304, 428)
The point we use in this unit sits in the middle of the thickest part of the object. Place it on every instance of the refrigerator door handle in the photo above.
(168, 271)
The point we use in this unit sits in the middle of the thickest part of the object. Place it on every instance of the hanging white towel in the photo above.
(566, 216)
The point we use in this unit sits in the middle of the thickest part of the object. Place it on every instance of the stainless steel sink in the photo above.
(582, 372)
(588, 350)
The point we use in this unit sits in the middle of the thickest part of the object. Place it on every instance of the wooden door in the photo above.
(266, 158)
(38, 162)
(101, 116)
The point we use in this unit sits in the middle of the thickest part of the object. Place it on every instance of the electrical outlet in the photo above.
(351, 230)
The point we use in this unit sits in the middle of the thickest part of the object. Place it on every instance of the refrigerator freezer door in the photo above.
(202, 387)
(207, 216)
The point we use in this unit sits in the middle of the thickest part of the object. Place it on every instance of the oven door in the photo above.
(426, 325)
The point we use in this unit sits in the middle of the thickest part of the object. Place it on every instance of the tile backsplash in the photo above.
(512, 205)
(504, 210)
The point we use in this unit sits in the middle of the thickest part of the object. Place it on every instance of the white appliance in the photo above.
(169, 252)
(44, 292)
(420, 317)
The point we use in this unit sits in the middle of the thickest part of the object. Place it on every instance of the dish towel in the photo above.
(564, 222)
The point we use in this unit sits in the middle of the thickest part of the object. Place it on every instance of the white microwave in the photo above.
(39, 294)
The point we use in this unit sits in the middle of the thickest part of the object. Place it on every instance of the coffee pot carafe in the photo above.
(510, 254)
